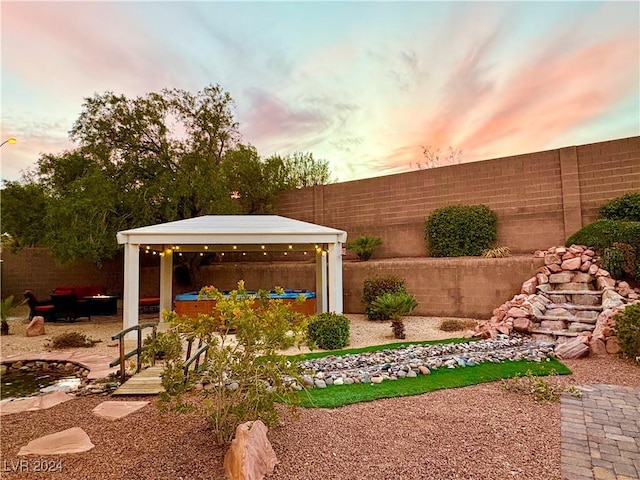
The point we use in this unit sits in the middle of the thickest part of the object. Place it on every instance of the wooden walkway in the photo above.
(147, 382)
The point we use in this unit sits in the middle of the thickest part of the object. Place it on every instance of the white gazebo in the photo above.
(229, 233)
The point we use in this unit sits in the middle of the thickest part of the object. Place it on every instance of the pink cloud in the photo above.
(542, 100)
(66, 45)
(271, 117)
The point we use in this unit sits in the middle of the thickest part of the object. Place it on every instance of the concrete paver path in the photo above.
(601, 434)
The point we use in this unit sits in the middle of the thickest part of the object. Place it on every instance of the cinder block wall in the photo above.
(540, 198)
(35, 269)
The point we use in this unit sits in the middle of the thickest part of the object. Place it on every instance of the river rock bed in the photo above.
(414, 360)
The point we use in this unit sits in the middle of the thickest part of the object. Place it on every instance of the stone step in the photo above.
(555, 333)
(572, 306)
(573, 292)
(567, 319)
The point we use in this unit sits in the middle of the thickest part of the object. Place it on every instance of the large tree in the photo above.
(140, 161)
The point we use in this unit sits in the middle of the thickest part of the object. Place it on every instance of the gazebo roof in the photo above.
(233, 229)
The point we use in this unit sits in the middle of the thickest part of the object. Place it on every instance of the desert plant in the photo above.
(6, 305)
(329, 331)
(460, 230)
(627, 329)
(72, 340)
(395, 306)
(245, 376)
(363, 246)
(496, 252)
(376, 286)
(456, 324)
(625, 207)
(542, 390)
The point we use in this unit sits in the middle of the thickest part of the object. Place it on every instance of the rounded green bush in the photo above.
(329, 331)
(460, 230)
(377, 286)
(625, 207)
(604, 233)
(627, 329)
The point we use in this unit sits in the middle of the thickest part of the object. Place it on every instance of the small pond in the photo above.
(15, 384)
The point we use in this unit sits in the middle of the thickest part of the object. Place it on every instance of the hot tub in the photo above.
(188, 304)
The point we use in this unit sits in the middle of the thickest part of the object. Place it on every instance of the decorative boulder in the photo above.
(36, 327)
(572, 349)
(250, 456)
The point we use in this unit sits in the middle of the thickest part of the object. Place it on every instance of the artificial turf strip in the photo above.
(375, 348)
(338, 395)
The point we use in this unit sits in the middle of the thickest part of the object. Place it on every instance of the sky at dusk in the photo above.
(364, 85)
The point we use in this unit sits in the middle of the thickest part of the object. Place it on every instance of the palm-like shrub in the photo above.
(377, 286)
(363, 246)
(395, 306)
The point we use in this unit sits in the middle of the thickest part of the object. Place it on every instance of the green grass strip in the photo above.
(338, 395)
(375, 348)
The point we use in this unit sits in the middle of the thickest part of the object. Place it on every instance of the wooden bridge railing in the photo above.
(195, 358)
(120, 336)
(190, 359)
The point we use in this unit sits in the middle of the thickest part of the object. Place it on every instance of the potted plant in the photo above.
(363, 246)
(395, 306)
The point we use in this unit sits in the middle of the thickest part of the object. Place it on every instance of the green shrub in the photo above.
(376, 286)
(613, 261)
(329, 331)
(363, 246)
(243, 376)
(627, 329)
(460, 230)
(625, 207)
(604, 233)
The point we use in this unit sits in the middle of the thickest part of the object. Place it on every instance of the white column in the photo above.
(131, 293)
(321, 282)
(166, 281)
(335, 277)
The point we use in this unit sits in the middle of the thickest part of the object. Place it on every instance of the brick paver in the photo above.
(601, 434)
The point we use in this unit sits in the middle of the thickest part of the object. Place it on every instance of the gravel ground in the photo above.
(478, 432)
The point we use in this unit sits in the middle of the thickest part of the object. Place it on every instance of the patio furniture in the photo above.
(102, 304)
(68, 307)
(149, 304)
(43, 308)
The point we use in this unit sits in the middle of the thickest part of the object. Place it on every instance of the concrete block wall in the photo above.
(35, 269)
(607, 170)
(540, 198)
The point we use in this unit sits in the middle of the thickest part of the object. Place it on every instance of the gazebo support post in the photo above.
(321, 282)
(131, 294)
(335, 277)
(166, 281)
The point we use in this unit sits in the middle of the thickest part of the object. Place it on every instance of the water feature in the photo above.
(16, 384)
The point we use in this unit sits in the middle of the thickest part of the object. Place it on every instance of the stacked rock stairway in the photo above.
(571, 301)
